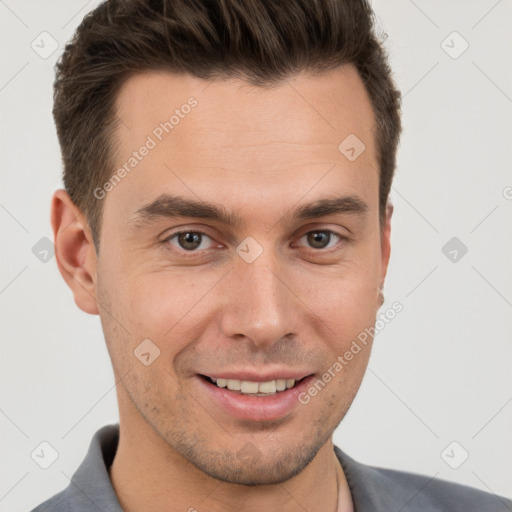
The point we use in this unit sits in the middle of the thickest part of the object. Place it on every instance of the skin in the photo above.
(259, 153)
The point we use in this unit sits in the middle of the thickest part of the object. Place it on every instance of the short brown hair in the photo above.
(259, 41)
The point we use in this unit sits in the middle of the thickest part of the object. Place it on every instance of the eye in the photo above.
(322, 238)
(188, 241)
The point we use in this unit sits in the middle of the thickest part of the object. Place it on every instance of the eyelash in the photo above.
(193, 253)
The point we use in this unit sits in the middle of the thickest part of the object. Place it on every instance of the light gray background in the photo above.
(440, 371)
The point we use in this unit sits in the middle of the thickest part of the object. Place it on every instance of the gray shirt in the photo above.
(373, 489)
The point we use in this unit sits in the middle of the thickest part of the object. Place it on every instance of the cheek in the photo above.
(346, 296)
(162, 304)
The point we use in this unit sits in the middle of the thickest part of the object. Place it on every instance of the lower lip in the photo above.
(256, 408)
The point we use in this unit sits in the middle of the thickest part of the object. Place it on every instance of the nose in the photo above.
(260, 305)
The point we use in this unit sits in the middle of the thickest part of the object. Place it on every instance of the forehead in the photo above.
(301, 109)
(233, 140)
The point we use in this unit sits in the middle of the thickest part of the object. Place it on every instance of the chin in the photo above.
(263, 471)
(252, 464)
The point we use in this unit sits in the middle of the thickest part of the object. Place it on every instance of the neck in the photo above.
(147, 474)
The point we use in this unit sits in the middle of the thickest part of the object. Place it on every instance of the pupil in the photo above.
(190, 240)
(318, 239)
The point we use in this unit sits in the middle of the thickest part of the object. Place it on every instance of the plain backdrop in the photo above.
(438, 387)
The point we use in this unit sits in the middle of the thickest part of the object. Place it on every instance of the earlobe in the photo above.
(74, 250)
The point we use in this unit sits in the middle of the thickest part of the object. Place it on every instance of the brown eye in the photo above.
(189, 241)
(322, 239)
(318, 239)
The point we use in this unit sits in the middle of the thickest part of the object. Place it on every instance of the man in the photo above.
(227, 167)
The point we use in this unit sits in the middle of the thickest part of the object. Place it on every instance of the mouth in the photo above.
(253, 400)
(254, 388)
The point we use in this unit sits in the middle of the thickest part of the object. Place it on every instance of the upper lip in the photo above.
(255, 376)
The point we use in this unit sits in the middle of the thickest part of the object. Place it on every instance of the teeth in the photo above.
(234, 385)
(251, 388)
(281, 384)
(267, 387)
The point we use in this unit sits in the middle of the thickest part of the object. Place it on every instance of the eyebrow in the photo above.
(172, 206)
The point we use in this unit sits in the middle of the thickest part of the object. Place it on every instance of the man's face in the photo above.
(272, 296)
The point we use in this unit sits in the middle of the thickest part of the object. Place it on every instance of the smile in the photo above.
(247, 387)
(253, 400)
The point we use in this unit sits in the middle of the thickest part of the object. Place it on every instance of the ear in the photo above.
(74, 250)
(386, 243)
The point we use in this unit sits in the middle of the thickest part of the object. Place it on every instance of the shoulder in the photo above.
(431, 493)
(387, 489)
(61, 502)
(90, 488)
